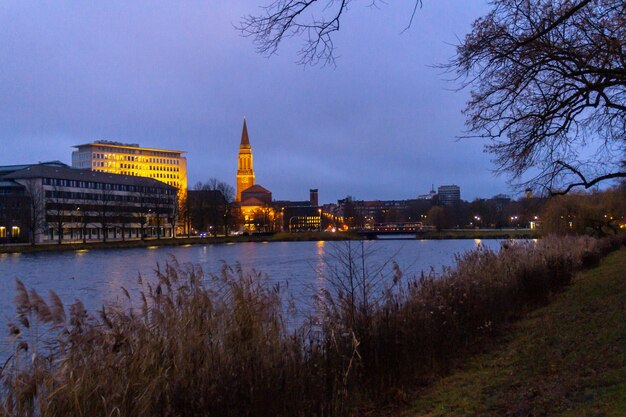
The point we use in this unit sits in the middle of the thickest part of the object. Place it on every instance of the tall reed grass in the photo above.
(222, 344)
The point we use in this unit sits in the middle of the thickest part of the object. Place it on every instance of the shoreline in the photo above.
(277, 237)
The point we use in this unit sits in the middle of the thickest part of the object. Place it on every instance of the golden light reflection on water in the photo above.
(152, 247)
(187, 245)
(81, 251)
(320, 264)
(477, 241)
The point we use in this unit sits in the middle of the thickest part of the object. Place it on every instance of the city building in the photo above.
(245, 168)
(449, 194)
(60, 203)
(300, 216)
(167, 166)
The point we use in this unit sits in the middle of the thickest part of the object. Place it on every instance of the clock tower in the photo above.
(245, 171)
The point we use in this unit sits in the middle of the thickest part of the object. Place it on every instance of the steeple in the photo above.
(244, 134)
(245, 168)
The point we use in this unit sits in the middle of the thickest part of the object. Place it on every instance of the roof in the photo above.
(245, 141)
(252, 201)
(65, 172)
(7, 169)
(122, 146)
(256, 188)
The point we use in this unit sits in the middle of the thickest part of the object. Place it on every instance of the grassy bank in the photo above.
(225, 344)
(566, 359)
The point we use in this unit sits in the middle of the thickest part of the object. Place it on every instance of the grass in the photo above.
(566, 359)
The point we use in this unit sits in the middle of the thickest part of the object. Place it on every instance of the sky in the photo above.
(382, 124)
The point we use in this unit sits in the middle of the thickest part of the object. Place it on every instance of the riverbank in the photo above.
(276, 237)
(565, 359)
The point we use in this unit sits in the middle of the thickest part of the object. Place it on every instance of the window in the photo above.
(15, 231)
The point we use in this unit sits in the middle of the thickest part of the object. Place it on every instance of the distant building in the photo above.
(430, 196)
(449, 194)
(167, 166)
(300, 216)
(313, 197)
(60, 203)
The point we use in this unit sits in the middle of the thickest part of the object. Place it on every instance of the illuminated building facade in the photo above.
(57, 203)
(167, 166)
(245, 169)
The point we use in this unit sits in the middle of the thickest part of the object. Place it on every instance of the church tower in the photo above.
(245, 171)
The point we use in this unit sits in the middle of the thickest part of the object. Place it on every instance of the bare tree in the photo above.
(547, 81)
(83, 214)
(36, 212)
(210, 207)
(104, 209)
(57, 211)
(143, 208)
(548, 89)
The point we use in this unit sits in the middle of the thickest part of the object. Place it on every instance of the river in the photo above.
(97, 276)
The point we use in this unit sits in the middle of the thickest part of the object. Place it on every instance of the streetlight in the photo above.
(319, 210)
(289, 222)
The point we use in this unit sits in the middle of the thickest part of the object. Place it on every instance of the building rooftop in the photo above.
(252, 201)
(256, 188)
(120, 145)
(65, 172)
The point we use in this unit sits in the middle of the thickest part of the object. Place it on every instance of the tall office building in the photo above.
(449, 194)
(163, 165)
(245, 169)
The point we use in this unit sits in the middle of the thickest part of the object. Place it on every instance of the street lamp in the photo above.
(289, 222)
(319, 210)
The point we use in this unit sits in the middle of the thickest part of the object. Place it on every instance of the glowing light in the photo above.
(152, 247)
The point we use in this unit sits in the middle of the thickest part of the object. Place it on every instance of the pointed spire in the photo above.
(244, 134)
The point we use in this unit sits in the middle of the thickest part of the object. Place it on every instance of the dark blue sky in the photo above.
(177, 75)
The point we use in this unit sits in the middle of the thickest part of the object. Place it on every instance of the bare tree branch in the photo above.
(314, 20)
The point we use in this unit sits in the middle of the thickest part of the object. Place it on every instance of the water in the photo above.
(97, 276)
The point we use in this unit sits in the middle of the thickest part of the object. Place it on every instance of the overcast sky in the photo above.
(177, 75)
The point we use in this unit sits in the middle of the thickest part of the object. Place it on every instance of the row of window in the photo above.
(114, 156)
(147, 198)
(105, 186)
